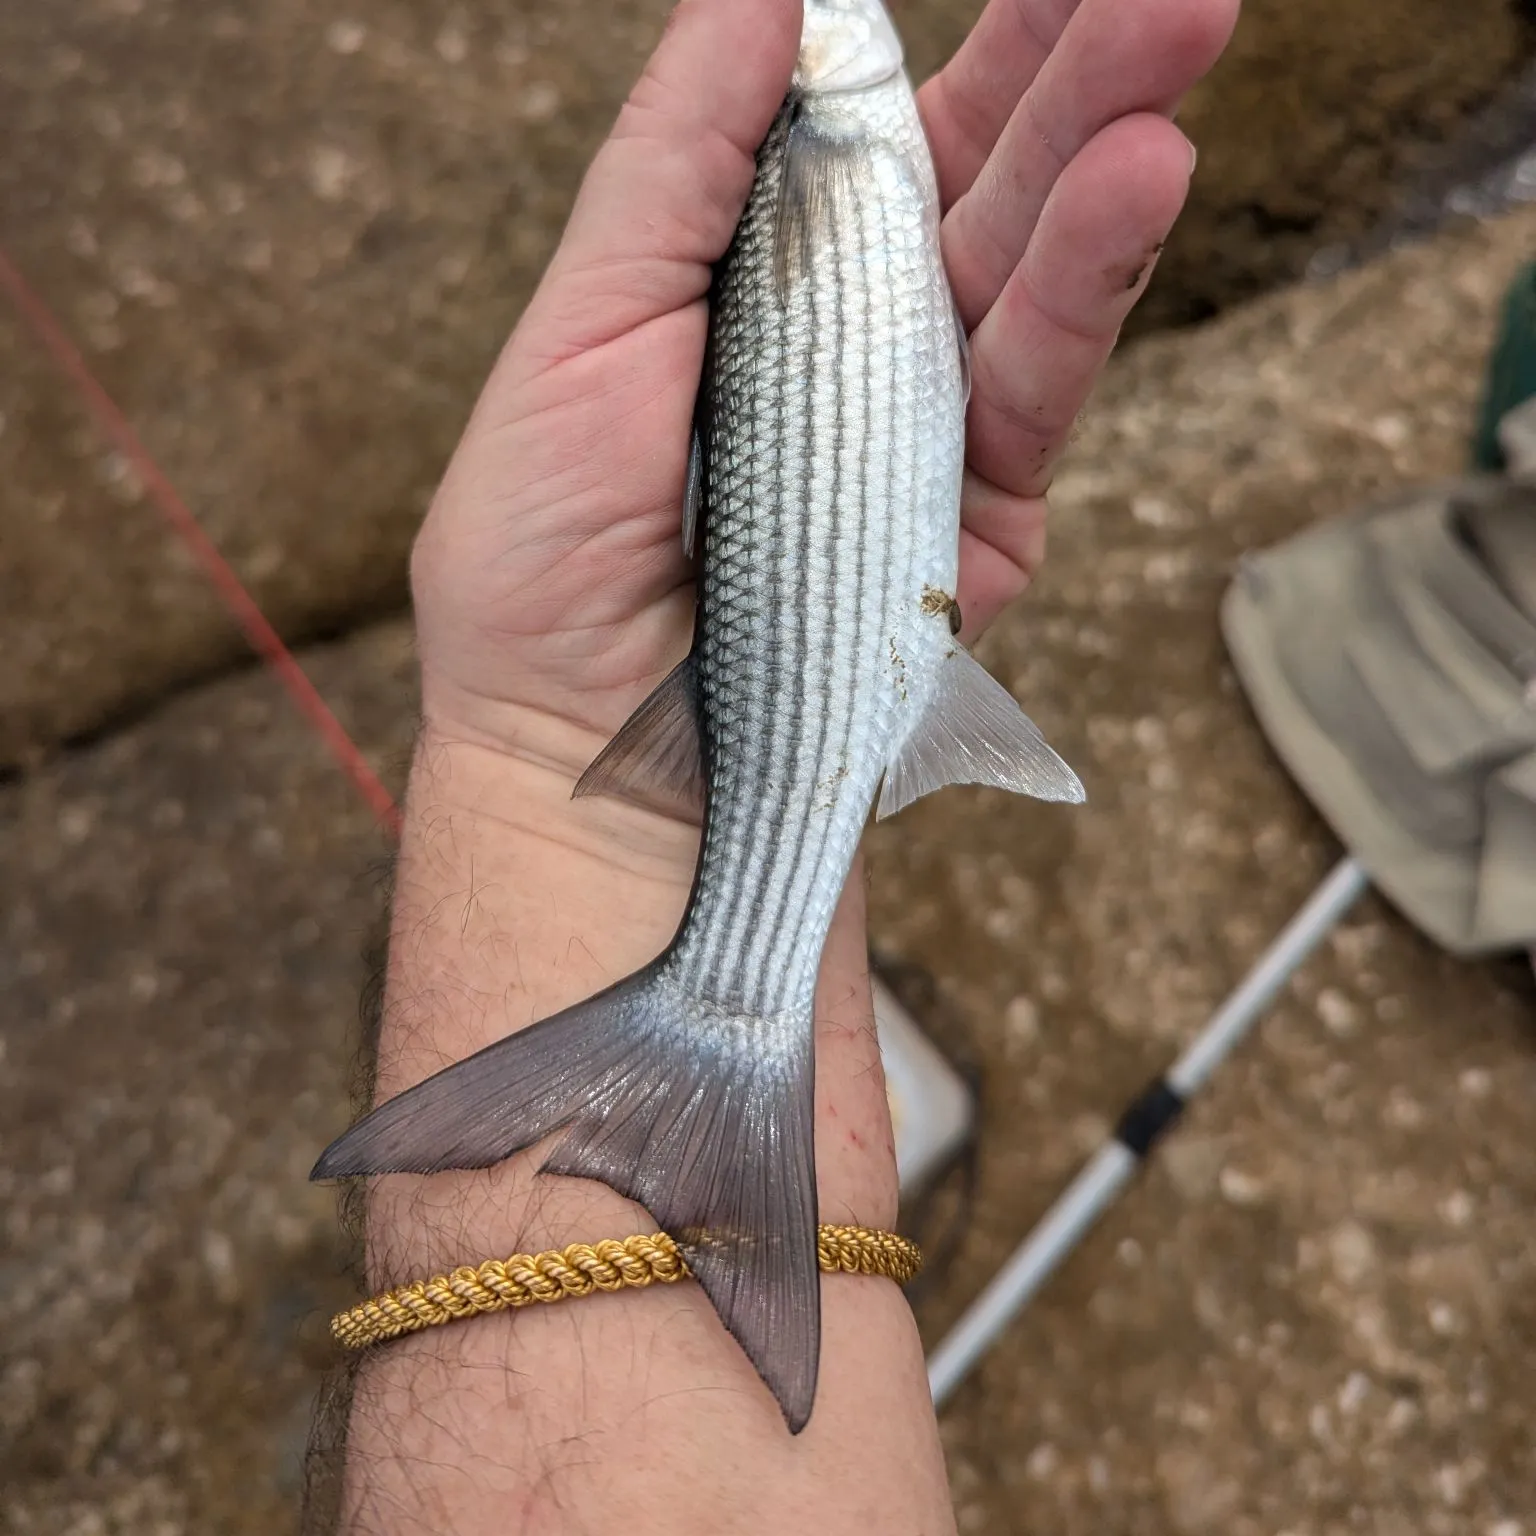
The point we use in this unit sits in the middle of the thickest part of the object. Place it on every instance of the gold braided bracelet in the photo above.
(501, 1284)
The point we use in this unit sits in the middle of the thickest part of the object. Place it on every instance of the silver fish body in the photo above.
(833, 436)
(824, 496)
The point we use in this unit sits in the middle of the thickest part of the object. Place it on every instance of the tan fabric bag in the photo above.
(1391, 659)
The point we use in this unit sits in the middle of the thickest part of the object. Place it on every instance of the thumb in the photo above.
(659, 204)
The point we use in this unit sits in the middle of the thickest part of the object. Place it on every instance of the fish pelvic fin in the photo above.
(715, 1141)
(657, 758)
(972, 731)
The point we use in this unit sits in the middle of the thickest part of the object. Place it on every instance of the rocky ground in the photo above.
(188, 904)
(291, 242)
(1314, 1315)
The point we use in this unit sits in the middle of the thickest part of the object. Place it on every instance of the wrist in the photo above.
(513, 902)
(510, 771)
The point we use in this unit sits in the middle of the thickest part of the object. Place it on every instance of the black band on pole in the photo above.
(1148, 1117)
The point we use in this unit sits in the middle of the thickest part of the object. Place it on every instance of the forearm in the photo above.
(511, 902)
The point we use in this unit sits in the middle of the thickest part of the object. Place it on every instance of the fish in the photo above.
(822, 500)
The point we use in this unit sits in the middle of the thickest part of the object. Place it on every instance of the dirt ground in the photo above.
(291, 239)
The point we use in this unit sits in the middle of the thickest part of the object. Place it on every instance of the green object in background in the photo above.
(1511, 376)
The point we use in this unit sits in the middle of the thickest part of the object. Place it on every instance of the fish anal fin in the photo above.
(657, 757)
(818, 190)
(972, 731)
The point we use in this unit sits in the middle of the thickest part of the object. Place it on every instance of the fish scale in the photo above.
(826, 479)
(835, 444)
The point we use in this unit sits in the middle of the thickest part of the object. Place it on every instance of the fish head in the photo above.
(846, 45)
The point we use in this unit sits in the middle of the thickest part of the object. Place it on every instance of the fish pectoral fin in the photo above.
(972, 731)
(693, 493)
(817, 184)
(657, 758)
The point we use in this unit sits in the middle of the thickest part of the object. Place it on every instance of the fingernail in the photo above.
(1194, 157)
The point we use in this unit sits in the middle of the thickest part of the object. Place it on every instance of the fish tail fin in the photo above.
(715, 1142)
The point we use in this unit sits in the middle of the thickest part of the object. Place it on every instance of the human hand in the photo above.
(551, 586)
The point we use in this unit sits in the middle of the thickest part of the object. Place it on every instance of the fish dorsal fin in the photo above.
(693, 493)
(657, 758)
(818, 189)
(972, 731)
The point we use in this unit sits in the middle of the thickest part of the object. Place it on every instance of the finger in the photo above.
(1036, 355)
(664, 194)
(1112, 60)
(966, 105)
(1001, 547)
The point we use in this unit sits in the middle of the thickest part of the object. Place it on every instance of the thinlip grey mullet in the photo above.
(824, 495)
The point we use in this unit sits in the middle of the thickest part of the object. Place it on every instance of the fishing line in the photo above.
(231, 591)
